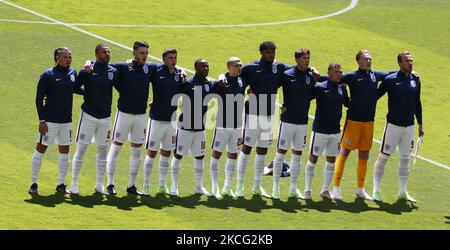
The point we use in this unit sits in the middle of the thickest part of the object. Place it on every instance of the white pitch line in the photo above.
(348, 8)
(157, 59)
(423, 158)
(80, 30)
(418, 156)
(25, 21)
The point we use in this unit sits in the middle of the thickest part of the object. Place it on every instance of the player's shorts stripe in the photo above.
(279, 133)
(343, 131)
(384, 136)
(148, 132)
(214, 138)
(312, 143)
(176, 142)
(79, 125)
(115, 123)
(245, 125)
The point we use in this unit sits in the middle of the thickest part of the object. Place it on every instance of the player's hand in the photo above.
(240, 141)
(222, 83)
(283, 109)
(88, 66)
(43, 128)
(130, 62)
(249, 91)
(316, 74)
(223, 79)
(183, 76)
(421, 133)
(415, 74)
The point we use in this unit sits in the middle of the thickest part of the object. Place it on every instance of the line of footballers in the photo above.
(164, 132)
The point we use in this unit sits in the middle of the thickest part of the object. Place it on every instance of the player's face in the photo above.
(235, 68)
(202, 68)
(268, 55)
(303, 62)
(64, 59)
(103, 55)
(140, 55)
(365, 62)
(335, 74)
(406, 64)
(170, 60)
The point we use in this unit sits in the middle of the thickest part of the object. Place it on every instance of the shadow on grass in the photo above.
(448, 218)
(254, 204)
(360, 205)
(47, 201)
(88, 201)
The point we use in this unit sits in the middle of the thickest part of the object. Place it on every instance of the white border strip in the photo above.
(348, 8)
(159, 60)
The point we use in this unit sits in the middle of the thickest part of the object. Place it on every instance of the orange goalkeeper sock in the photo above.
(361, 172)
(339, 170)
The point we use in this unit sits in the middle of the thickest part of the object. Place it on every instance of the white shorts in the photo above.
(396, 136)
(229, 137)
(328, 144)
(190, 141)
(93, 130)
(129, 126)
(61, 133)
(258, 131)
(161, 135)
(292, 133)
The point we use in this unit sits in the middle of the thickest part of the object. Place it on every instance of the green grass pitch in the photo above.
(384, 27)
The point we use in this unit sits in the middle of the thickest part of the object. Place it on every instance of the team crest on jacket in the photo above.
(274, 68)
(177, 77)
(308, 80)
(145, 68)
(240, 82)
(340, 90)
(413, 83)
(372, 77)
(72, 78)
(207, 87)
(110, 75)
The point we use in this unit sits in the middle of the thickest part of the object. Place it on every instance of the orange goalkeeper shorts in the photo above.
(357, 135)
